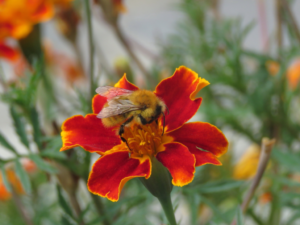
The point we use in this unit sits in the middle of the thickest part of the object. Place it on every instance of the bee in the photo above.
(125, 106)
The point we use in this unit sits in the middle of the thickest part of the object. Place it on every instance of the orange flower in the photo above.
(8, 52)
(4, 194)
(182, 147)
(293, 74)
(17, 17)
(265, 198)
(119, 6)
(28, 165)
(62, 64)
(14, 181)
(247, 166)
(272, 67)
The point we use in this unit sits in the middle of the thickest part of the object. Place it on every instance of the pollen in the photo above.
(143, 139)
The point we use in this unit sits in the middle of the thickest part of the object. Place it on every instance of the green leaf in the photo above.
(216, 186)
(53, 154)
(288, 160)
(23, 176)
(217, 212)
(286, 181)
(4, 178)
(83, 213)
(63, 203)
(294, 217)
(66, 221)
(51, 150)
(42, 164)
(239, 216)
(19, 126)
(7, 145)
(36, 126)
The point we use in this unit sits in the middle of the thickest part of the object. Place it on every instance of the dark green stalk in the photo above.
(100, 208)
(274, 217)
(255, 217)
(91, 47)
(166, 203)
(31, 45)
(20, 207)
(159, 184)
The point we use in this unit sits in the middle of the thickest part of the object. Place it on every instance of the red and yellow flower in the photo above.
(182, 147)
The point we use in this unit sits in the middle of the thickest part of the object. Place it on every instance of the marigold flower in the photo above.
(17, 17)
(182, 147)
(14, 182)
(67, 67)
(293, 74)
(247, 165)
(265, 198)
(273, 67)
(119, 6)
(8, 52)
(28, 165)
(4, 194)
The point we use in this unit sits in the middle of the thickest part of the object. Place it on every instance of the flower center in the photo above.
(143, 139)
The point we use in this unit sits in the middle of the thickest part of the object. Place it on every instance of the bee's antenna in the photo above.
(163, 124)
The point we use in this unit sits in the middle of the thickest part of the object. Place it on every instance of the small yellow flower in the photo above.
(247, 165)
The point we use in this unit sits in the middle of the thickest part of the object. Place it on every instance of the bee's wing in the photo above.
(117, 107)
(112, 92)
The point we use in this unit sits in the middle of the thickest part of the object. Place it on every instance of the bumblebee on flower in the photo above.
(181, 148)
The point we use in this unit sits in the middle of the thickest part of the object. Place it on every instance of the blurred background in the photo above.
(249, 52)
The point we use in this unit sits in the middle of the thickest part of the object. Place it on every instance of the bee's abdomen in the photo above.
(114, 120)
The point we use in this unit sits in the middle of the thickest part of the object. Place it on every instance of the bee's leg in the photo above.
(164, 122)
(121, 131)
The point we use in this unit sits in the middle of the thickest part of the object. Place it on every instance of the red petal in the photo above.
(178, 92)
(179, 161)
(124, 83)
(8, 52)
(98, 103)
(110, 173)
(89, 133)
(204, 136)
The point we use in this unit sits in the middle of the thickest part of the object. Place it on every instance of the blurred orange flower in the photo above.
(119, 6)
(4, 194)
(8, 52)
(28, 165)
(17, 17)
(63, 64)
(272, 67)
(265, 198)
(293, 74)
(247, 165)
(14, 182)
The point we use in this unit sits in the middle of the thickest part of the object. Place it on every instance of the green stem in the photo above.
(91, 47)
(100, 208)
(31, 45)
(166, 203)
(159, 184)
(20, 207)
